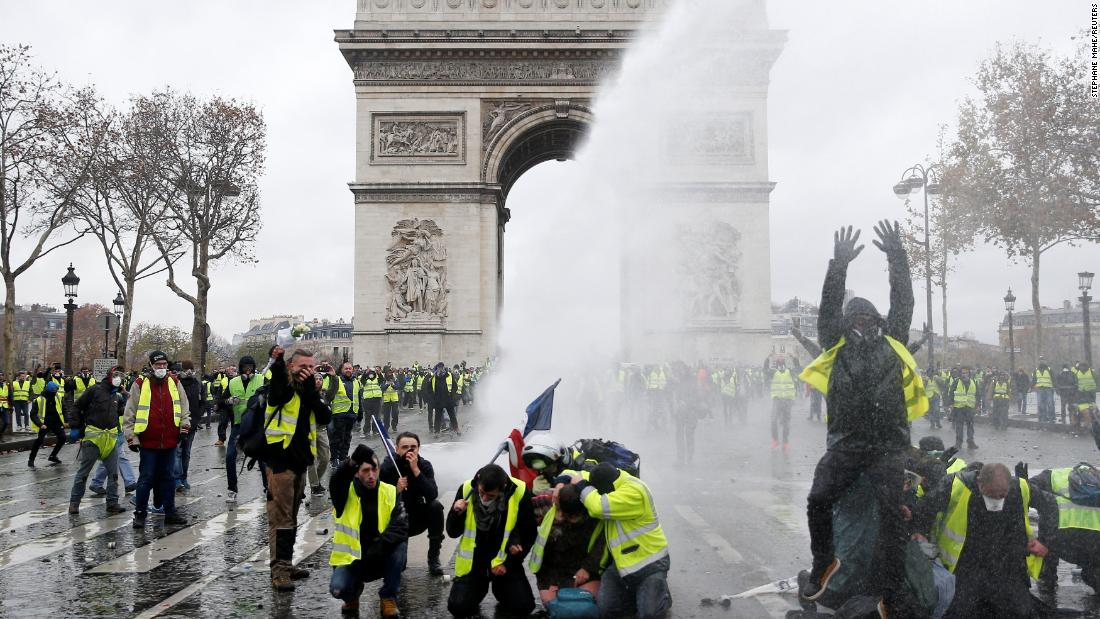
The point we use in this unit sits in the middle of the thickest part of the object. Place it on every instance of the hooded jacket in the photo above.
(866, 399)
(100, 405)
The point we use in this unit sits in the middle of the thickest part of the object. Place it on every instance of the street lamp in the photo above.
(120, 306)
(1084, 282)
(1010, 304)
(913, 180)
(70, 281)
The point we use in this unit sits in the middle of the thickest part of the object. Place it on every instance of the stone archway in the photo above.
(456, 99)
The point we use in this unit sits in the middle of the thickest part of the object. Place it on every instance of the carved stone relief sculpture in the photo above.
(711, 256)
(418, 138)
(416, 273)
(714, 138)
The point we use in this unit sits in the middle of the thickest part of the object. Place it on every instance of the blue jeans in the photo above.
(1046, 404)
(87, 456)
(157, 468)
(347, 580)
(22, 414)
(183, 457)
(231, 457)
(644, 592)
(124, 467)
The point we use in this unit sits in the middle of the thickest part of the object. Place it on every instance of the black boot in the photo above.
(434, 544)
(281, 563)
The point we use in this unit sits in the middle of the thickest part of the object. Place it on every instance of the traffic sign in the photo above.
(107, 322)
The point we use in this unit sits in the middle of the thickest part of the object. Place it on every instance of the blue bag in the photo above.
(1084, 485)
(573, 604)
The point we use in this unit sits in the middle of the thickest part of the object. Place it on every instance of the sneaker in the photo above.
(156, 511)
(97, 491)
(231, 497)
(815, 587)
(115, 509)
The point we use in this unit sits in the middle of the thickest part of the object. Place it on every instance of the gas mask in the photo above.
(993, 505)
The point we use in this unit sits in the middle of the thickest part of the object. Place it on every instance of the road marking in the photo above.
(68, 474)
(302, 550)
(46, 546)
(727, 552)
(44, 513)
(152, 556)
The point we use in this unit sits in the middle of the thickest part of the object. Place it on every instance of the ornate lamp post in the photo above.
(120, 306)
(70, 281)
(912, 180)
(1084, 282)
(1010, 304)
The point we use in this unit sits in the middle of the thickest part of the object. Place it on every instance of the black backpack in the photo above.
(1084, 485)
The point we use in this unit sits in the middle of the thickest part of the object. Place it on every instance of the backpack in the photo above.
(573, 604)
(251, 438)
(612, 452)
(1084, 485)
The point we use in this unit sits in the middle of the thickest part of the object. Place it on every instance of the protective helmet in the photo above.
(542, 451)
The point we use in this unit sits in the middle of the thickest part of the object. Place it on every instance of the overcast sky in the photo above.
(856, 97)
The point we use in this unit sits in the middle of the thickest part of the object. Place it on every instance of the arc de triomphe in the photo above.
(458, 98)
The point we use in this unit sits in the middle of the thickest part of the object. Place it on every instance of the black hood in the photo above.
(246, 360)
(860, 306)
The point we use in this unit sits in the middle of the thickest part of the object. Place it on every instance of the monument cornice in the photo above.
(389, 193)
(482, 67)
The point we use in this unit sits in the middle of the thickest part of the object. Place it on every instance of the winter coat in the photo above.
(866, 399)
(99, 406)
(192, 386)
(161, 432)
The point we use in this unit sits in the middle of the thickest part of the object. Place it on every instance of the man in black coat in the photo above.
(96, 415)
(439, 392)
(192, 387)
(868, 429)
(415, 480)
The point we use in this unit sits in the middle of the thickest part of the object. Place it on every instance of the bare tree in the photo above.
(1025, 166)
(49, 135)
(215, 151)
(125, 202)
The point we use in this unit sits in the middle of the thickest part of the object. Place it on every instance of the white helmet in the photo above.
(541, 451)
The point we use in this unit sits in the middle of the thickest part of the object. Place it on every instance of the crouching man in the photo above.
(369, 539)
(497, 527)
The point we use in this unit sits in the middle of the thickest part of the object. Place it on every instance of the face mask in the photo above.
(189, 373)
(160, 372)
(487, 504)
(993, 505)
(116, 381)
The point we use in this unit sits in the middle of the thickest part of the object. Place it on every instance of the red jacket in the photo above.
(162, 432)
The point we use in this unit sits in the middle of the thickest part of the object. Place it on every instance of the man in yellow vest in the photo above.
(493, 517)
(95, 419)
(241, 388)
(963, 397)
(48, 417)
(987, 540)
(21, 389)
(1077, 539)
(1001, 395)
(295, 411)
(1086, 383)
(636, 582)
(343, 397)
(872, 390)
(225, 411)
(156, 414)
(369, 535)
(1042, 381)
(782, 391)
(372, 401)
(81, 382)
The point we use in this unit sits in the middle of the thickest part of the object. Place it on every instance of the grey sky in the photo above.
(856, 98)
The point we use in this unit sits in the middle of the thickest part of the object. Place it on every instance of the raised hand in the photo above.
(844, 244)
(889, 237)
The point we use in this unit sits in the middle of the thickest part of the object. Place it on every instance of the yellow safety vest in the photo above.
(281, 430)
(634, 542)
(408, 384)
(390, 394)
(782, 385)
(464, 558)
(104, 440)
(729, 387)
(931, 388)
(371, 389)
(81, 386)
(141, 418)
(1000, 390)
(419, 382)
(967, 397)
(38, 386)
(21, 391)
(817, 373)
(4, 389)
(957, 464)
(1070, 514)
(1043, 380)
(953, 536)
(40, 402)
(209, 390)
(535, 560)
(461, 384)
(1086, 381)
(237, 389)
(341, 403)
(346, 545)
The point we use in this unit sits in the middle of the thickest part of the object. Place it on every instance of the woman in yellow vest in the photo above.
(987, 540)
(493, 517)
(369, 536)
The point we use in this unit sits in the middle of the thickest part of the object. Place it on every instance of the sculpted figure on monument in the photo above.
(416, 272)
(500, 114)
(711, 255)
(417, 138)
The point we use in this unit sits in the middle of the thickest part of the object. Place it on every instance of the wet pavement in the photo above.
(735, 519)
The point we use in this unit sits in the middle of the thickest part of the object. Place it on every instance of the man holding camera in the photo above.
(156, 414)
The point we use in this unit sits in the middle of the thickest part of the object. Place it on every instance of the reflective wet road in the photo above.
(735, 519)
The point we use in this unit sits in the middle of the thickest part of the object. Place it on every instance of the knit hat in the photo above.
(51, 387)
(156, 356)
(930, 444)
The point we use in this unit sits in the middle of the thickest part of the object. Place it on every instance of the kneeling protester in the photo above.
(370, 535)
